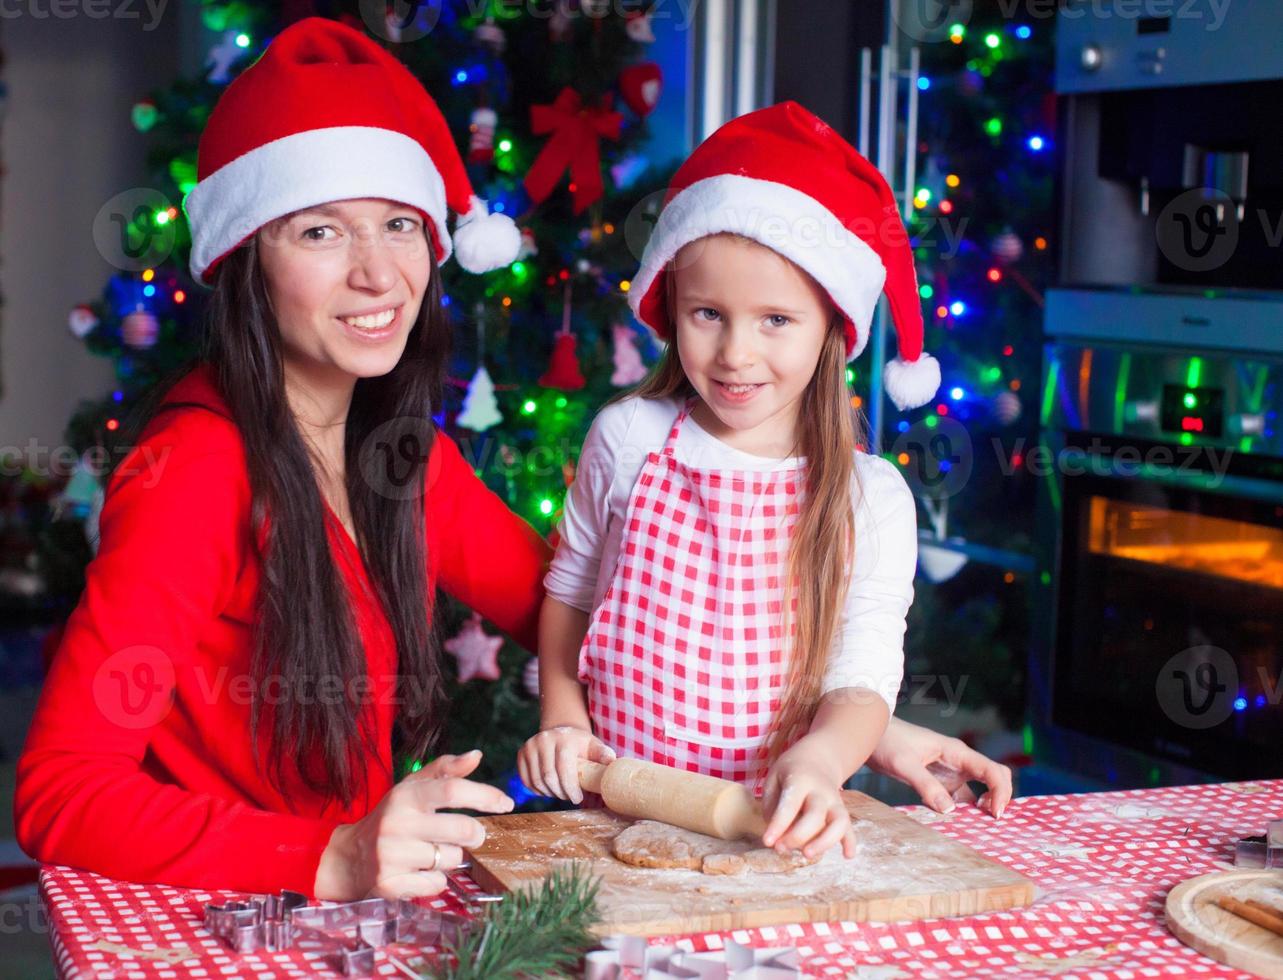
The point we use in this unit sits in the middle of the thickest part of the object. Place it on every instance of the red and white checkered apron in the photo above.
(684, 658)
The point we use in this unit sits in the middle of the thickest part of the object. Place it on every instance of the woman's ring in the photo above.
(436, 857)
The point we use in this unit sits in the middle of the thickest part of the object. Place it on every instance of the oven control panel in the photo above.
(1199, 410)
(1103, 47)
(1175, 395)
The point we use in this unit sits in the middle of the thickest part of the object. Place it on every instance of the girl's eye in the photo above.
(778, 320)
(712, 313)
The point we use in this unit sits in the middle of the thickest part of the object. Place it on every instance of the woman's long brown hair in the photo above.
(307, 645)
(823, 543)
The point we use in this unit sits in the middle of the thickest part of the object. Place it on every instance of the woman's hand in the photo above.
(402, 847)
(549, 762)
(802, 802)
(938, 767)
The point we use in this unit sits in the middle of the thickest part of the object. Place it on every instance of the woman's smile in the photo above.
(374, 327)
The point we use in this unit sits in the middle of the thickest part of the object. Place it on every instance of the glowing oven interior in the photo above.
(1226, 549)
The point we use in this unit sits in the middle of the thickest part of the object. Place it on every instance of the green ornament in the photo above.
(144, 115)
(183, 170)
(215, 18)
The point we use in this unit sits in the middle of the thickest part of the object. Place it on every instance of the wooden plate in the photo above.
(1196, 920)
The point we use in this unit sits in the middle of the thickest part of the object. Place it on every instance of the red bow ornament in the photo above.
(575, 145)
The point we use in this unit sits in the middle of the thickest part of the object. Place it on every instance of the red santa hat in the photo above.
(325, 114)
(784, 178)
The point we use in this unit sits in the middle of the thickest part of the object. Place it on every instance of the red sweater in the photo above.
(137, 764)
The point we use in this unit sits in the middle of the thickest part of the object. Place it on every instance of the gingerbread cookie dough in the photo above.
(651, 844)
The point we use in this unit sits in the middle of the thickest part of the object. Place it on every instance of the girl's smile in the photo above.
(737, 394)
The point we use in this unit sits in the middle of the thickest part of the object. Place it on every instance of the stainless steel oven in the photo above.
(1158, 645)
(1159, 654)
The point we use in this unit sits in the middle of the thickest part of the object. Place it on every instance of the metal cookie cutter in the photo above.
(478, 900)
(258, 923)
(1262, 851)
(349, 932)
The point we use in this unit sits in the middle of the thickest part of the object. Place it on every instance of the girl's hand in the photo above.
(938, 767)
(803, 806)
(402, 847)
(549, 762)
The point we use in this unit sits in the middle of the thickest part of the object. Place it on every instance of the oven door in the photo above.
(1170, 619)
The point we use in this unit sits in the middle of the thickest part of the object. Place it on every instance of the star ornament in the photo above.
(477, 652)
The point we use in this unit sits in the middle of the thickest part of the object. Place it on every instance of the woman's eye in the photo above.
(403, 224)
(307, 233)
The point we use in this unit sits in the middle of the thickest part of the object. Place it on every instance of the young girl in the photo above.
(730, 591)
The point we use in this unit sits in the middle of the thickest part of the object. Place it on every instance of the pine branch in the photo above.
(539, 933)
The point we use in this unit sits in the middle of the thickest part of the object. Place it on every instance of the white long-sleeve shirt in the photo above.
(868, 648)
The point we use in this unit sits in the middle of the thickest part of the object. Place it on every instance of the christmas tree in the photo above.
(982, 208)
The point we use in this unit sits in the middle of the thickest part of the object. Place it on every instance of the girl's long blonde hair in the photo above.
(823, 543)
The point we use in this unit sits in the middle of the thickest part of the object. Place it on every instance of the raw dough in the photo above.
(762, 860)
(651, 844)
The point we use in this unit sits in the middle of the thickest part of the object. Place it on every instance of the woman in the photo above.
(254, 638)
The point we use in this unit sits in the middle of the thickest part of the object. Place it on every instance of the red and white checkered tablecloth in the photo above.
(1103, 862)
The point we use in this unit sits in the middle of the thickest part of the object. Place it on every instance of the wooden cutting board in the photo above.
(1196, 920)
(904, 871)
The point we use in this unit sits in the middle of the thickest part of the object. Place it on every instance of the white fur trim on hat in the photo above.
(304, 170)
(782, 218)
(485, 241)
(911, 383)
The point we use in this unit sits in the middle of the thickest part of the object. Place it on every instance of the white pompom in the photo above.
(912, 383)
(485, 241)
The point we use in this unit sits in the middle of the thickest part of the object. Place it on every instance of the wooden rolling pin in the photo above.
(1255, 912)
(647, 791)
